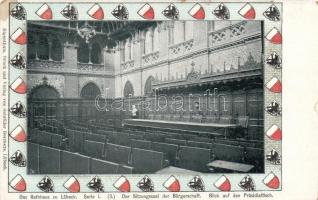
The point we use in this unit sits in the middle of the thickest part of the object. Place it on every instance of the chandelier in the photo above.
(86, 31)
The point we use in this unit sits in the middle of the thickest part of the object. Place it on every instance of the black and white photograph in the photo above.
(145, 97)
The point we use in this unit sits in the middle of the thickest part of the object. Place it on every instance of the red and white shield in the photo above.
(172, 184)
(223, 183)
(274, 133)
(19, 36)
(122, 184)
(18, 134)
(72, 184)
(271, 181)
(274, 36)
(45, 12)
(247, 11)
(197, 11)
(147, 12)
(19, 86)
(96, 12)
(274, 85)
(18, 183)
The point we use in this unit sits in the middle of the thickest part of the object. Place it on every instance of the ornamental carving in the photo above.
(55, 81)
(193, 76)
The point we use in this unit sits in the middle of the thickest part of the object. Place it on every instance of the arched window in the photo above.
(44, 92)
(156, 40)
(148, 86)
(90, 91)
(122, 51)
(83, 53)
(127, 50)
(56, 50)
(43, 48)
(188, 30)
(96, 55)
(149, 41)
(178, 32)
(128, 89)
(31, 47)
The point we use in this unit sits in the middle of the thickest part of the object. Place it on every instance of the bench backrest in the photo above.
(103, 167)
(194, 158)
(117, 153)
(146, 161)
(170, 151)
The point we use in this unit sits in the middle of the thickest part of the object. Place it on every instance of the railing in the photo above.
(227, 33)
(58, 66)
(128, 65)
(90, 68)
(45, 64)
(150, 58)
(249, 69)
(181, 48)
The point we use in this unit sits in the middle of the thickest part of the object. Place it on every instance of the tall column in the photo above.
(50, 49)
(63, 46)
(152, 40)
(89, 54)
(36, 48)
(183, 30)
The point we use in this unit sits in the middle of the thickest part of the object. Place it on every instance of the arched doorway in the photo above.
(42, 105)
(90, 91)
(148, 86)
(128, 89)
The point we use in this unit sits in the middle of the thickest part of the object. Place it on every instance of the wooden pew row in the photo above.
(158, 135)
(62, 162)
(77, 141)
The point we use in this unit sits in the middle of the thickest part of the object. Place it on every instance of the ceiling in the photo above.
(112, 30)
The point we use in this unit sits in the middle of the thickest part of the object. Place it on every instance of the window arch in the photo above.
(31, 47)
(90, 91)
(128, 89)
(148, 86)
(96, 55)
(43, 48)
(83, 53)
(56, 50)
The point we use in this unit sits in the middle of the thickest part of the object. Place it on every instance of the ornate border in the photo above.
(20, 181)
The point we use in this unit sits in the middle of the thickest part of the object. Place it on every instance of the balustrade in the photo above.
(228, 33)
(181, 48)
(128, 65)
(150, 58)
